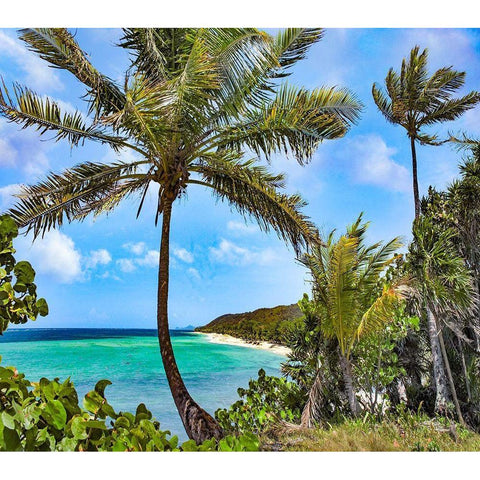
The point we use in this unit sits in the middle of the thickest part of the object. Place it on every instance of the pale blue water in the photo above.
(130, 359)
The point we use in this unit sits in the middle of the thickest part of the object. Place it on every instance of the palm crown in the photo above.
(415, 100)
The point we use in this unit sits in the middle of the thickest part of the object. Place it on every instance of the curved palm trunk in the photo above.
(349, 388)
(198, 424)
(416, 196)
(442, 396)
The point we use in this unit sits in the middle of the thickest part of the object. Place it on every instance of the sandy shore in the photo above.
(229, 340)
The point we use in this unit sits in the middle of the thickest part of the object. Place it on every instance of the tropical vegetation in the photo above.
(384, 348)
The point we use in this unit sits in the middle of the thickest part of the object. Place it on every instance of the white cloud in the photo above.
(8, 154)
(136, 248)
(24, 151)
(242, 228)
(98, 257)
(193, 272)
(6, 196)
(38, 74)
(183, 255)
(369, 161)
(56, 255)
(150, 259)
(126, 265)
(232, 254)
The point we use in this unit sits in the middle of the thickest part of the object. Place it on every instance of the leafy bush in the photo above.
(18, 292)
(48, 417)
(267, 401)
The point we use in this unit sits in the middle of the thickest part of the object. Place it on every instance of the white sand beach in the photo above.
(229, 340)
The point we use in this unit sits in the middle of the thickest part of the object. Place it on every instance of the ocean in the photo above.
(130, 359)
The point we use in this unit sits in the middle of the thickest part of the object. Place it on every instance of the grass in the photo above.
(403, 433)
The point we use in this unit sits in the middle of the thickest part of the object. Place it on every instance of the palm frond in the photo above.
(58, 47)
(295, 121)
(44, 114)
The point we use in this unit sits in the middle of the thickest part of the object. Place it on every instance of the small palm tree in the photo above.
(345, 275)
(415, 101)
(193, 101)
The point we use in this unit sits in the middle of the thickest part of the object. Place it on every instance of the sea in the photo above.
(130, 359)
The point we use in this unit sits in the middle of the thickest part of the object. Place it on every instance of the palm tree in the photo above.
(415, 101)
(345, 274)
(445, 289)
(193, 101)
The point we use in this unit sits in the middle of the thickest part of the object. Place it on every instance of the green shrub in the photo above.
(46, 416)
(267, 401)
(18, 292)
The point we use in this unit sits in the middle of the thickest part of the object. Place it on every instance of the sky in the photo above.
(103, 272)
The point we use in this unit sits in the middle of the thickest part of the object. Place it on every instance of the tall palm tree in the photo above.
(445, 289)
(193, 101)
(345, 275)
(415, 101)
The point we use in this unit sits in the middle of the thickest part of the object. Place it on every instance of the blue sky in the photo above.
(103, 272)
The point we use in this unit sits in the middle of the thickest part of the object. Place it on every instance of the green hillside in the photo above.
(264, 324)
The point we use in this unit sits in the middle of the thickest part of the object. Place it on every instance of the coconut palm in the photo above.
(445, 290)
(415, 101)
(345, 275)
(192, 103)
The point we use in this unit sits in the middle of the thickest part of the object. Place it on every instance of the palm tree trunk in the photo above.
(442, 396)
(198, 424)
(416, 196)
(465, 372)
(349, 388)
(453, 390)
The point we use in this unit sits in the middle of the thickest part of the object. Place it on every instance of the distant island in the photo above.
(188, 328)
(263, 324)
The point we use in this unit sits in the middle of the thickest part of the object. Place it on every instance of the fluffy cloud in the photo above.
(150, 259)
(232, 254)
(242, 228)
(136, 248)
(38, 74)
(55, 255)
(370, 161)
(193, 272)
(6, 196)
(98, 257)
(183, 254)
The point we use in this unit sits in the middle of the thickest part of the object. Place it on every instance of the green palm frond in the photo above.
(58, 47)
(296, 121)
(44, 114)
(291, 45)
(69, 195)
(253, 191)
(382, 310)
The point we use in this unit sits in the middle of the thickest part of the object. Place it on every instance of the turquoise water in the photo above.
(130, 359)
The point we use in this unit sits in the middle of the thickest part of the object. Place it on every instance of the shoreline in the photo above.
(225, 339)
